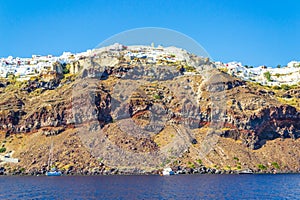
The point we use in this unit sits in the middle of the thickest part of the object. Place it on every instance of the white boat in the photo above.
(53, 171)
(246, 171)
(168, 171)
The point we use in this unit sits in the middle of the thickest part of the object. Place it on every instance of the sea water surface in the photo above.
(280, 186)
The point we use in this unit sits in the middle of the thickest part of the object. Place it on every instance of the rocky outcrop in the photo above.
(17, 116)
(267, 124)
(52, 131)
(32, 85)
(272, 123)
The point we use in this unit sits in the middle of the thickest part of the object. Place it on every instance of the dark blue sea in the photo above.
(280, 186)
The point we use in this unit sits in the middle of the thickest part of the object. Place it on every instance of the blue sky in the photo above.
(253, 32)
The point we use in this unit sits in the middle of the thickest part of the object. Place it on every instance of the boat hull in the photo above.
(168, 172)
(53, 174)
(247, 171)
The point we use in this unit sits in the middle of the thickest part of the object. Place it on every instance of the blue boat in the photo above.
(53, 173)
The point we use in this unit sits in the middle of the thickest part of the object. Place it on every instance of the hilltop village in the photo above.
(24, 68)
(281, 75)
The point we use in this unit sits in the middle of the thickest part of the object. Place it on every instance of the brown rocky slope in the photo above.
(140, 118)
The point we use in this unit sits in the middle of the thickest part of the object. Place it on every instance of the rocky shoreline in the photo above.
(115, 171)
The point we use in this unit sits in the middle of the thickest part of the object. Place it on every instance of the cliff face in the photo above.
(149, 116)
(267, 124)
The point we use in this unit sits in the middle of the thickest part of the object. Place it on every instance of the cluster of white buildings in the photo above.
(26, 67)
(149, 54)
(289, 75)
(153, 55)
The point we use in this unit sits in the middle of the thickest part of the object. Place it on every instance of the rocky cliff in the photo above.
(140, 117)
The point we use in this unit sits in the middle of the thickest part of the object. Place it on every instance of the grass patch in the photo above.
(292, 101)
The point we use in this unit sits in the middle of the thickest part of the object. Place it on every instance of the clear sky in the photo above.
(255, 32)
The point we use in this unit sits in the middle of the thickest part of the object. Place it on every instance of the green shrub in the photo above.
(189, 68)
(267, 75)
(164, 163)
(262, 167)
(294, 86)
(276, 87)
(66, 71)
(156, 96)
(199, 161)
(275, 165)
(285, 87)
(2, 150)
(192, 166)
(277, 75)
(225, 70)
